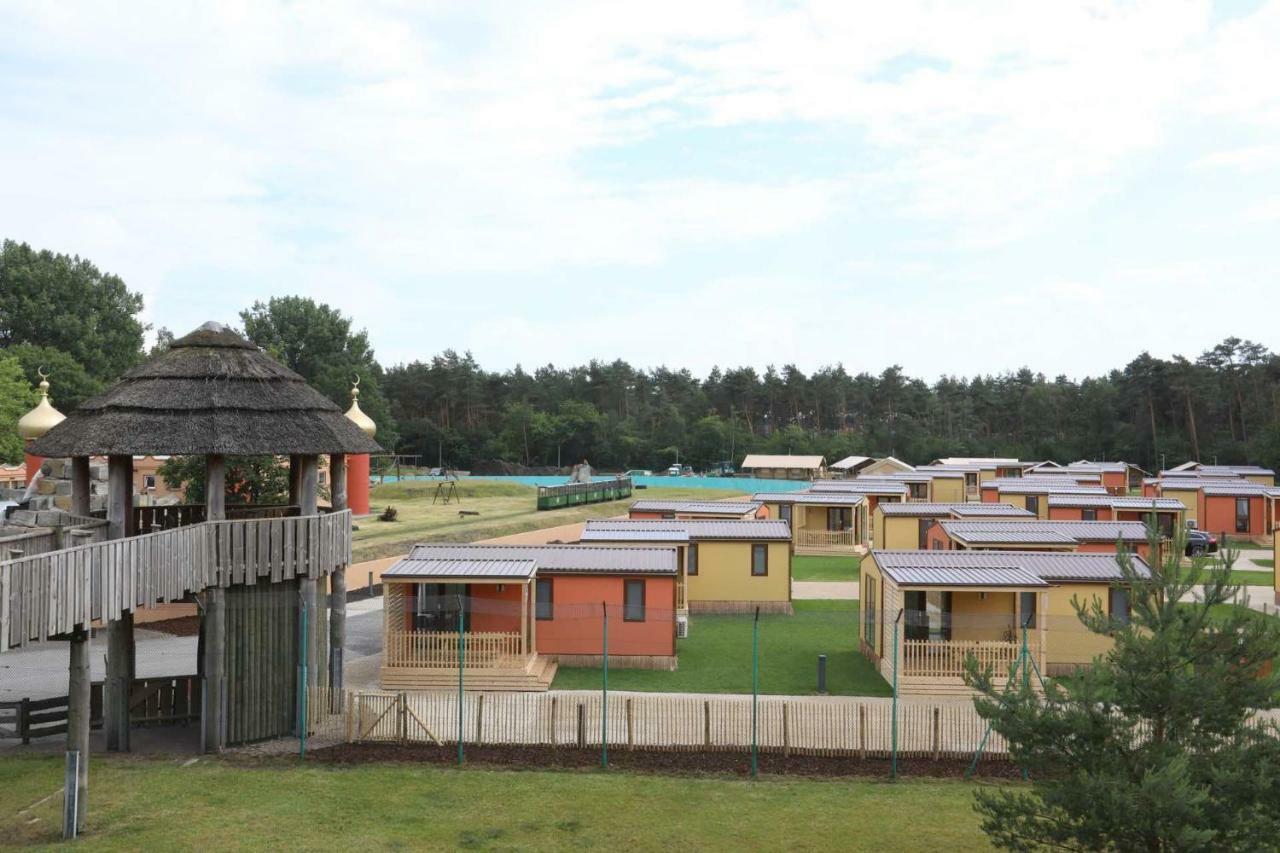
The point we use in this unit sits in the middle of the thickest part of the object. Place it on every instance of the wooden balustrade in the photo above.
(946, 658)
(439, 649)
(52, 594)
(824, 538)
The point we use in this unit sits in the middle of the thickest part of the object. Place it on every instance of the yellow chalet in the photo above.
(907, 525)
(942, 606)
(726, 566)
(768, 466)
(828, 522)
(1032, 493)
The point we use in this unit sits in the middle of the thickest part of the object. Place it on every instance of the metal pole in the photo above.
(604, 703)
(462, 663)
(71, 795)
(755, 694)
(302, 683)
(893, 769)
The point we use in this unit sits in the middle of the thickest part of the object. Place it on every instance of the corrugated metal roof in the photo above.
(462, 568)
(1046, 531)
(697, 528)
(1048, 565)
(985, 462)
(599, 534)
(969, 510)
(921, 509)
(1044, 488)
(583, 559)
(830, 498)
(862, 485)
(705, 507)
(768, 460)
(999, 576)
(1241, 489)
(1114, 502)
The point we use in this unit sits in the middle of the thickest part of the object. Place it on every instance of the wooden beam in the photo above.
(308, 497)
(524, 618)
(80, 492)
(213, 709)
(337, 580)
(120, 663)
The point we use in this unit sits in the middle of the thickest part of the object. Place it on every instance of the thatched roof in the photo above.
(210, 392)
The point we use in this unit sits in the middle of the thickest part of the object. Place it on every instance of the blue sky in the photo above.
(957, 190)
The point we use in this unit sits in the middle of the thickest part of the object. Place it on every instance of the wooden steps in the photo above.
(535, 676)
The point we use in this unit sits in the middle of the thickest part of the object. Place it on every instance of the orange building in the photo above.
(524, 610)
(1082, 536)
(1168, 511)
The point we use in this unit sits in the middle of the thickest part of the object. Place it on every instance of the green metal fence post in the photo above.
(462, 665)
(755, 695)
(893, 764)
(604, 700)
(302, 683)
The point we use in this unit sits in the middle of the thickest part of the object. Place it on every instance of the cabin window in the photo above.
(784, 512)
(759, 560)
(544, 599)
(922, 539)
(927, 615)
(919, 491)
(1027, 609)
(1242, 515)
(633, 601)
(1033, 504)
(1118, 604)
(869, 608)
(148, 481)
(1088, 515)
(839, 518)
(693, 560)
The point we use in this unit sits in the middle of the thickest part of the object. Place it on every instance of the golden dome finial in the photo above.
(43, 417)
(355, 415)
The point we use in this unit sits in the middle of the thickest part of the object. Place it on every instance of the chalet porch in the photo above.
(469, 620)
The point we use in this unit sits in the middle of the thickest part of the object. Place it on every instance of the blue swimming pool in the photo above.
(740, 484)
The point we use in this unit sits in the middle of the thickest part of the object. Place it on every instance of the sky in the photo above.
(957, 188)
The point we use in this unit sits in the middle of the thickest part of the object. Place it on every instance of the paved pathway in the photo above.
(802, 590)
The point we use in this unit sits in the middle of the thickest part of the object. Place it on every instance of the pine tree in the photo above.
(1155, 746)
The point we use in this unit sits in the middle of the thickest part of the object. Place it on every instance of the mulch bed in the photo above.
(657, 761)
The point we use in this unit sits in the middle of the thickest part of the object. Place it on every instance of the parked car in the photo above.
(637, 472)
(674, 471)
(1200, 543)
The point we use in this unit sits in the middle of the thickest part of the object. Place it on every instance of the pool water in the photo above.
(739, 484)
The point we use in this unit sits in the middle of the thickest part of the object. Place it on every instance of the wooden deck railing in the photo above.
(439, 649)
(824, 538)
(53, 594)
(945, 659)
(149, 519)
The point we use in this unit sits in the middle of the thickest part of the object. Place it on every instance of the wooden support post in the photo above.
(631, 733)
(480, 718)
(80, 506)
(582, 726)
(554, 703)
(862, 731)
(337, 580)
(308, 477)
(524, 619)
(120, 663)
(78, 714)
(213, 700)
(786, 730)
(706, 723)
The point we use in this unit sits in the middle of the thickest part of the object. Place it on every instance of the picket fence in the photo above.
(654, 721)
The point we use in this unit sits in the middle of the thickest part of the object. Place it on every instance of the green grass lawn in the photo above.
(825, 568)
(154, 804)
(1266, 564)
(1252, 578)
(716, 657)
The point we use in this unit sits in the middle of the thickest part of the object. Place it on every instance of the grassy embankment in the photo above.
(504, 509)
(159, 804)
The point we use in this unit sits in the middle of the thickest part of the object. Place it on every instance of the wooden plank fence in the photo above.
(163, 700)
(655, 721)
(52, 594)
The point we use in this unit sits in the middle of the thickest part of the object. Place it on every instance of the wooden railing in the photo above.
(945, 659)
(824, 538)
(53, 594)
(682, 594)
(439, 649)
(152, 701)
(150, 519)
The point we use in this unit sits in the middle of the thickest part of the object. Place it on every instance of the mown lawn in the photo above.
(814, 568)
(154, 804)
(503, 509)
(716, 657)
(1249, 578)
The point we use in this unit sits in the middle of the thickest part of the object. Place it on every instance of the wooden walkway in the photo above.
(52, 594)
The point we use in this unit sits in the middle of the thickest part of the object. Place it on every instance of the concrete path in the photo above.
(824, 590)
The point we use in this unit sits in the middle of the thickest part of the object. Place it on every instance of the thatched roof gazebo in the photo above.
(259, 576)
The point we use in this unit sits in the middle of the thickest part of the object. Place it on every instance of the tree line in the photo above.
(1223, 404)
